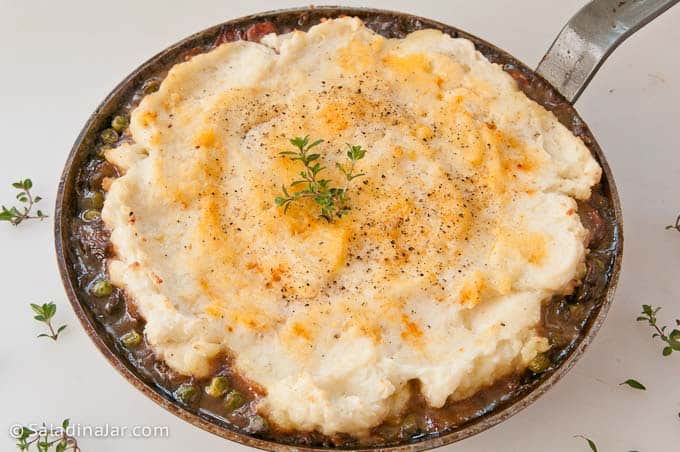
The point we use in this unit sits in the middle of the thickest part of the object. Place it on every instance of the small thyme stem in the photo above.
(44, 313)
(672, 340)
(14, 215)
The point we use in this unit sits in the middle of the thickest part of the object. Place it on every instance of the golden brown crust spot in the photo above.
(411, 331)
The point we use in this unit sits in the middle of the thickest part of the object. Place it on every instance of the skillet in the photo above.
(560, 78)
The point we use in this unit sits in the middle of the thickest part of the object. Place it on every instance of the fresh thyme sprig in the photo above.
(44, 314)
(44, 439)
(16, 215)
(672, 339)
(675, 226)
(333, 201)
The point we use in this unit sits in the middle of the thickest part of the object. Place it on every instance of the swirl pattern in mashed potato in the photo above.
(463, 225)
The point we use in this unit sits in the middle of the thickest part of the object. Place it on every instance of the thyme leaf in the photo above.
(634, 384)
(590, 442)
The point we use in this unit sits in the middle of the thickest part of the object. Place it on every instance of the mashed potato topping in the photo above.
(463, 225)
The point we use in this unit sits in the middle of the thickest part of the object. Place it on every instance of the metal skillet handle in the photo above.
(590, 37)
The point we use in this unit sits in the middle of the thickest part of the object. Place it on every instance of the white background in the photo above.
(58, 59)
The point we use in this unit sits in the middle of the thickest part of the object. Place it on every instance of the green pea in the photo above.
(91, 215)
(186, 393)
(409, 426)
(120, 123)
(101, 288)
(109, 136)
(93, 200)
(151, 86)
(539, 364)
(218, 386)
(234, 400)
(131, 339)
